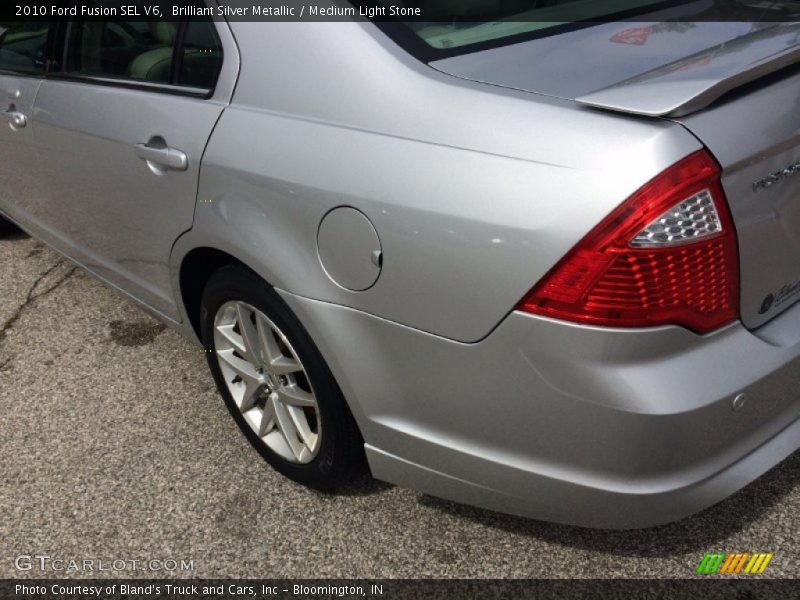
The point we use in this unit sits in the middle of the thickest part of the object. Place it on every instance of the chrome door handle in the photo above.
(16, 119)
(169, 158)
(14, 94)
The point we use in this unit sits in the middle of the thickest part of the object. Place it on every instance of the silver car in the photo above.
(542, 258)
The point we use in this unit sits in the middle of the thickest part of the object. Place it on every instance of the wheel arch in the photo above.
(196, 269)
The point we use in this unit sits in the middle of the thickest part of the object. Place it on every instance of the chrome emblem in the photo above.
(776, 177)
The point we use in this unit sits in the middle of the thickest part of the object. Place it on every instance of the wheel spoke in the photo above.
(250, 395)
(248, 375)
(287, 428)
(242, 368)
(252, 417)
(301, 425)
(249, 335)
(267, 423)
(284, 366)
(293, 395)
(232, 338)
(275, 360)
(269, 346)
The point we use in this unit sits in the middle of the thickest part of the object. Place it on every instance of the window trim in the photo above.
(178, 53)
(142, 86)
(10, 73)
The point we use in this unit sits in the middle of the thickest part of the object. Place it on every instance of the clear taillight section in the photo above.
(667, 255)
(691, 220)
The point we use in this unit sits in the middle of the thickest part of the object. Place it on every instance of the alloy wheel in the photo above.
(267, 381)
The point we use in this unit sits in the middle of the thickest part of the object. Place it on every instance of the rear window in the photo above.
(461, 23)
(445, 28)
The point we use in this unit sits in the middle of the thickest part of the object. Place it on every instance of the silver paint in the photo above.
(476, 191)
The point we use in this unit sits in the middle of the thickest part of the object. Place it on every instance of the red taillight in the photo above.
(667, 255)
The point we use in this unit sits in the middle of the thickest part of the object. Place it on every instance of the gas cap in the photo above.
(349, 249)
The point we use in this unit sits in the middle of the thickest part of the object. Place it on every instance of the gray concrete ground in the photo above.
(115, 445)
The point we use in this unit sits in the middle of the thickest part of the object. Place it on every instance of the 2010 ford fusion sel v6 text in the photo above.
(539, 257)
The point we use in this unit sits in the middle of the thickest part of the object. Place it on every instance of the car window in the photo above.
(201, 59)
(162, 52)
(122, 49)
(22, 46)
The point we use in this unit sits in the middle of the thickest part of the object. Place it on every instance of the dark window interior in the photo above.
(202, 56)
(161, 52)
(22, 46)
(122, 50)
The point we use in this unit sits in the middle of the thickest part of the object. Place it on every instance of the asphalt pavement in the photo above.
(115, 446)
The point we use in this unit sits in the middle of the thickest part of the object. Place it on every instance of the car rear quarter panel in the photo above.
(755, 134)
(475, 191)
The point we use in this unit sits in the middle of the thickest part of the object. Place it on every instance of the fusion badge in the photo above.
(776, 177)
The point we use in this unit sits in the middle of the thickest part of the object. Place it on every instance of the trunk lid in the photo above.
(735, 86)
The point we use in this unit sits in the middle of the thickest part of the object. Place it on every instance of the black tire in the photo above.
(341, 454)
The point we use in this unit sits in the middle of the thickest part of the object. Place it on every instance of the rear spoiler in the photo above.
(693, 83)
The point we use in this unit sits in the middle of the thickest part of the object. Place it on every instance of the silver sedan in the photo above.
(545, 261)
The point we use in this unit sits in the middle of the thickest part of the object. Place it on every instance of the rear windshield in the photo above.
(459, 23)
(444, 28)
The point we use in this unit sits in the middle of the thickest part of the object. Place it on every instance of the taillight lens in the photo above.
(668, 254)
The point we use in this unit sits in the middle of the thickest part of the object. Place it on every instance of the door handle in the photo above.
(16, 119)
(13, 94)
(166, 157)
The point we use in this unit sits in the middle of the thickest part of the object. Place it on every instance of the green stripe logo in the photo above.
(711, 563)
(734, 563)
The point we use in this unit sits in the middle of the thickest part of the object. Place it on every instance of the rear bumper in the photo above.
(581, 425)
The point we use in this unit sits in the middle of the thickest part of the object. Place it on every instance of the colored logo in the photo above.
(732, 563)
(636, 36)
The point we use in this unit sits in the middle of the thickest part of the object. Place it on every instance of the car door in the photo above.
(22, 66)
(121, 131)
